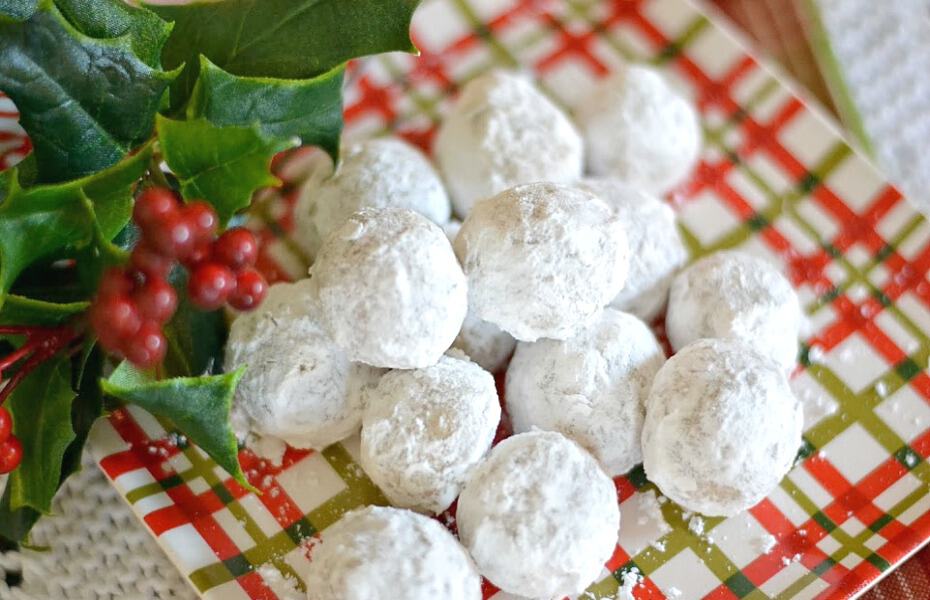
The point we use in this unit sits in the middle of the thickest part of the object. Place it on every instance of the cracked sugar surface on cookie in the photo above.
(383, 553)
(298, 387)
(735, 295)
(502, 131)
(591, 387)
(390, 290)
(722, 427)
(376, 173)
(638, 129)
(542, 259)
(656, 248)
(539, 516)
(424, 430)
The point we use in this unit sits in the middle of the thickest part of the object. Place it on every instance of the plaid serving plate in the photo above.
(776, 178)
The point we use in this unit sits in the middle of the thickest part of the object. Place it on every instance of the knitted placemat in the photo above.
(876, 56)
(96, 550)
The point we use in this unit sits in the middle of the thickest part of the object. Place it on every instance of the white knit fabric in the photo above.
(883, 50)
(96, 550)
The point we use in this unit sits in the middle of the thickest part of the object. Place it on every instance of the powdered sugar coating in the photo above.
(637, 128)
(722, 427)
(485, 343)
(390, 289)
(542, 259)
(736, 295)
(656, 249)
(383, 553)
(591, 387)
(424, 430)
(539, 516)
(376, 173)
(298, 386)
(502, 132)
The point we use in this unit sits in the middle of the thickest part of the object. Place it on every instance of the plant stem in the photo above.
(41, 344)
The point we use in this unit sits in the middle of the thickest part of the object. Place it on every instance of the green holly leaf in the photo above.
(19, 310)
(222, 165)
(310, 109)
(84, 102)
(107, 19)
(199, 406)
(17, 10)
(41, 409)
(39, 220)
(287, 39)
(85, 410)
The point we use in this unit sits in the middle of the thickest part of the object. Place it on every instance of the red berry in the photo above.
(202, 252)
(6, 424)
(11, 454)
(210, 285)
(172, 237)
(152, 206)
(202, 219)
(251, 288)
(149, 261)
(237, 248)
(115, 318)
(147, 348)
(156, 300)
(113, 282)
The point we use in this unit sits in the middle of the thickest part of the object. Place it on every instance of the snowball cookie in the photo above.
(298, 387)
(722, 427)
(485, 343)
(542, 259)
(390, 289)
(501, 132)
(656, 249)
(383, 553)
(539, 516)
(591, 387)
(377, 173)
(637, 128)
(735, 295)
(424, 430)
(286, 307)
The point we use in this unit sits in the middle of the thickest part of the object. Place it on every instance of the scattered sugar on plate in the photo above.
(628, 582)
(765, 543)
(696, 525)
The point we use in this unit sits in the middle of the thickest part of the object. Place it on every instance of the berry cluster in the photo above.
(133, 303)
(11, 450)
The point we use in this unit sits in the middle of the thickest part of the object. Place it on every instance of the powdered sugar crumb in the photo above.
(766, 543)
(696, 525)
(628, 582)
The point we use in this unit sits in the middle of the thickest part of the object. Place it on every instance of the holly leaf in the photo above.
(19, 310)
(199, 406)
(310, 109)
(287, 39)
(222, 165)
(85, 410)
(18, 10)
(41, 409)
(39, 220)
(84, 102)
(107, 19)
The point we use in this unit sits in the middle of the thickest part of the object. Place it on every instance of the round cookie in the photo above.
(539, 516)
(656, 249)
(390, 290)
(298, 386)
(376, 173)
(424, 430)
(501, 132)
(735, 295)
(542, 259)
(383, 553)
(485, 343)
(591, 387)
(722, 427)
(637, 128)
